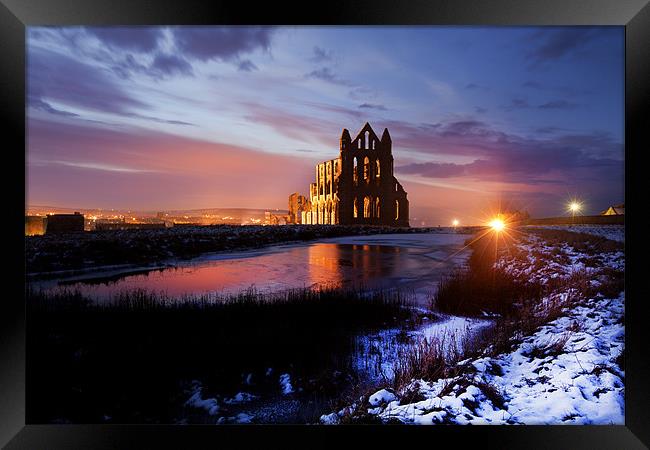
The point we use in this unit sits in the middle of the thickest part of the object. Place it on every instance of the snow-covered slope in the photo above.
(567, 371)
(613, 232)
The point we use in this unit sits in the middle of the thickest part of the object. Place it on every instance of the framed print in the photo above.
(250, 223)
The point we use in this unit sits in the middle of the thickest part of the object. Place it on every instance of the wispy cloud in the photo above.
(328, 75)
(373, 106)
(558, 104)
(321, 55)
(247, 66)
(554, 44)
(93, 166)
(221, 43)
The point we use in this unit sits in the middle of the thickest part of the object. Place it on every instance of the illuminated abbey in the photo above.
(358, 187)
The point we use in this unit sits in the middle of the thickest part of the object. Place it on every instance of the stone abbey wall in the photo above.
(358, 187)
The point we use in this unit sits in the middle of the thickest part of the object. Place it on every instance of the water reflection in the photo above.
(414, 263)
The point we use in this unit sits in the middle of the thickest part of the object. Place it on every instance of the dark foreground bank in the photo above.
(141, 358)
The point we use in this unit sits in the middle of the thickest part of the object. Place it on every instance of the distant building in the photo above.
(616, 210)
(297, 204)
(275, 219)
(64, 223)
(34, 225)
(358, 187)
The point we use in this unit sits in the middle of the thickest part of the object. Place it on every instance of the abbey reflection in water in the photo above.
(314, 265)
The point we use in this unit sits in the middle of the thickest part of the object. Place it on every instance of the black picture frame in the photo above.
(16, 15)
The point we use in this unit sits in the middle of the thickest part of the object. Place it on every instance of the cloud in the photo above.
(141, 39)
(165, 65)
(520, 103)
(473, 138)
(162, 66)
(157, 119)
(558, 104)
(480, 110)
(221, 43)
(125, 67)
(362, 93)
(41, 105)
(295, 126)
(503, 157)
(516, 103)
(550, 130)
(49, 75)
(326, 74)
(91, 165)
(321, 55)
(564, 90)
(475, 86)
(556, 43)
(373, 106)
(70, 82)
(246, 66)
(532, 84)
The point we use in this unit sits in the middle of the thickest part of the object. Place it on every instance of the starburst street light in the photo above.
(455, 222)
(497, 224)
(575, 207)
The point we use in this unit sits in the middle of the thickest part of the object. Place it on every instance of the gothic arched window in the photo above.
(366, 168)
(367, 202)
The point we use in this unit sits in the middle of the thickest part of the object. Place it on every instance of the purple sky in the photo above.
(153, 118)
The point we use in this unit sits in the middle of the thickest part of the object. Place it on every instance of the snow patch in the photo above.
(285, 384)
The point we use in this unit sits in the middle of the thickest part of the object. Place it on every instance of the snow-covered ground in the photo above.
(613, 232)
(567, 371)
(379, 351)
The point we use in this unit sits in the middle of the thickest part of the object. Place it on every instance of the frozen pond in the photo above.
(413, 262)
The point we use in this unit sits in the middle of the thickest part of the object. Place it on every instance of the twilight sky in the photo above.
(153, 118)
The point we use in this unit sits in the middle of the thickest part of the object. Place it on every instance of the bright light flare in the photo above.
(575, 207)
(455, 222)
(497, 225)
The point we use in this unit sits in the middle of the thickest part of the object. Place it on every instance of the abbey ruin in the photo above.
(358, 187)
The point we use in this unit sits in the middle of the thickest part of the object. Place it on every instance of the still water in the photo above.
(412, 262)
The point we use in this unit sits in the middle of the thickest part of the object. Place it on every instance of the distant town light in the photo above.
(497, 225)
(455, 222)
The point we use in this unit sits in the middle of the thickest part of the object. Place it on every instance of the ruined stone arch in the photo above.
(377, 213)
(356, 208)
(367, 207)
